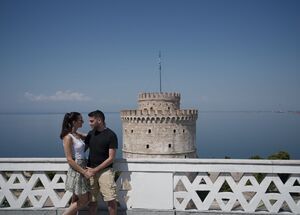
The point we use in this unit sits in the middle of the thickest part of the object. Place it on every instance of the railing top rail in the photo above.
(161, 160)
(209, 165)
(161, 165)
(33, 160)
(33, 164)
(209, 161)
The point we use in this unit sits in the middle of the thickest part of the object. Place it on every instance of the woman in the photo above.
(77, 175)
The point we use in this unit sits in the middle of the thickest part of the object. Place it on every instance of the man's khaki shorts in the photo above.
(103, 182)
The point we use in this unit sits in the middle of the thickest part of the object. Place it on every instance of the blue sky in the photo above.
(58, 56)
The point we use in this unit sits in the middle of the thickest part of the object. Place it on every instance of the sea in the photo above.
(219, 134)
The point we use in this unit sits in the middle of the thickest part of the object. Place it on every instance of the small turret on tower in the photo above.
(159, 128)
(159, 101)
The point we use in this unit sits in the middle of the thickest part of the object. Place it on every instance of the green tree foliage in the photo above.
(282, 155)
(256, 157)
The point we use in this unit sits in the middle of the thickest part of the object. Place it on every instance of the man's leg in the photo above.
(108, 190)
(93, 207)
(112, 207)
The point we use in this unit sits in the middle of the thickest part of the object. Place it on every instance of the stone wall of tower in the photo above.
(159, 128)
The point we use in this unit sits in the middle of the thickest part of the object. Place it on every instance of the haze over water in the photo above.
(219, 134)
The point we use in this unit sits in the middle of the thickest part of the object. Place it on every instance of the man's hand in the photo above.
(91, 171)
(88, 173)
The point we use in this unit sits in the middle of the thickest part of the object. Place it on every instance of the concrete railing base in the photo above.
(51, 211)
(59, 211)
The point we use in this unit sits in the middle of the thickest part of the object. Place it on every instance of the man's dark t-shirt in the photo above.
(99, 143)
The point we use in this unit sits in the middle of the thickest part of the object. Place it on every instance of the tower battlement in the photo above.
(189, 113)
(159, 96)
(159, 120)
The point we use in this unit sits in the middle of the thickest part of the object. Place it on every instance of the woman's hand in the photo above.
(87, 174)
(91, 171)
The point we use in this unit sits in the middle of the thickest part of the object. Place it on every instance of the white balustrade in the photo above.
(33, 182)
(224, 185)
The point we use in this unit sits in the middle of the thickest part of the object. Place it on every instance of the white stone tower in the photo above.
(159, 128)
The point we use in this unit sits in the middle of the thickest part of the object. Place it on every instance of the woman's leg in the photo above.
(81, 202)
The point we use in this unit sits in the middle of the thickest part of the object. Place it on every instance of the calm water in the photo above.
(219, 134)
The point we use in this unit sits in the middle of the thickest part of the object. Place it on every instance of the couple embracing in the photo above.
(87, 179)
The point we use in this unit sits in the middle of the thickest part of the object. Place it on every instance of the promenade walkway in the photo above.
(160, 186)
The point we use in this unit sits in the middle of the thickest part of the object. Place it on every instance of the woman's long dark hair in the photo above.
(67, 124)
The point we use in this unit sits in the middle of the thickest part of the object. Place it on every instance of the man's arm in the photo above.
(106, 163)
(81, 135)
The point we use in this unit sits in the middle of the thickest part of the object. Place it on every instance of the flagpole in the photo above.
(159, 71)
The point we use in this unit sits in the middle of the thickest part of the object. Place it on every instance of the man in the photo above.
(102, 143)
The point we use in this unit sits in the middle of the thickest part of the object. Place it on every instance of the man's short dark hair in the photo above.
(97, 114)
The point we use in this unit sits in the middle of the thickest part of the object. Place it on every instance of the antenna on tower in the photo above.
(159, 56)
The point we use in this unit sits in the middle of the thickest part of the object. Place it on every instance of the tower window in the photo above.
(147, 146)
(174, 131)
(169, 145)
(183, 130)
(131, 131)
(149, 131)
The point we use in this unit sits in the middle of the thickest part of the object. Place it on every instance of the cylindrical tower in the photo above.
(159, 128)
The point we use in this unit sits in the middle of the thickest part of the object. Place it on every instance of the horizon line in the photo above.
(86, 112)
